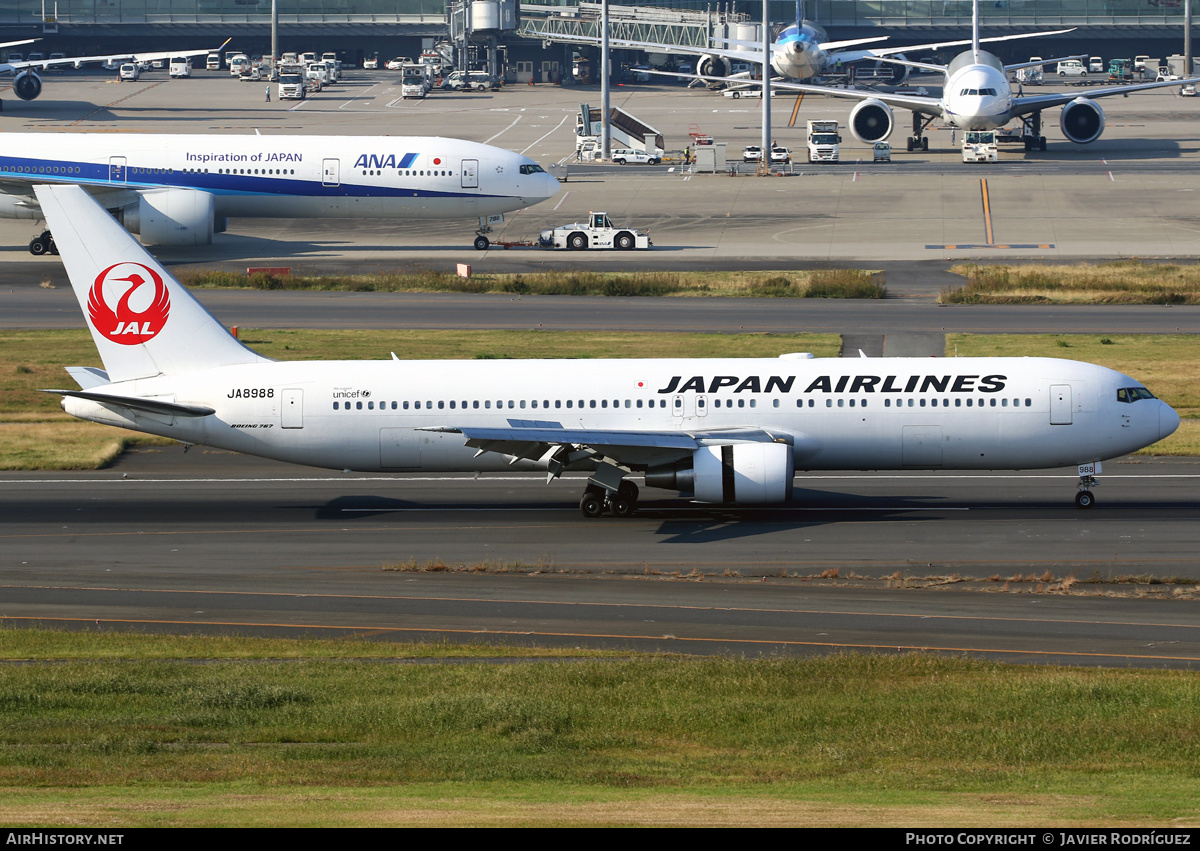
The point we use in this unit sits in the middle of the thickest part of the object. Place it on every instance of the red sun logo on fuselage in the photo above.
(143, 303)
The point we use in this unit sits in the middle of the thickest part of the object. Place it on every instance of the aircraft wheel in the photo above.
(910, 144)
(577, 241)
(53, 248)
(924, 143)
(36, 247)
(1084, 499)
(621, 507)
(591, 505)
(1042, 143)
(481, 243)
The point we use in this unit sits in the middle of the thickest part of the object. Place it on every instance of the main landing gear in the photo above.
(918, 140)
(41, 244)
(597, 499)
(1034, 140)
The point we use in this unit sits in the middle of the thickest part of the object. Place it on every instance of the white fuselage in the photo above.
(977, 94)
(407, 177)
(963, 413)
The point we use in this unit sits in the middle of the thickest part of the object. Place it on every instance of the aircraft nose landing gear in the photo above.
(1087, 481)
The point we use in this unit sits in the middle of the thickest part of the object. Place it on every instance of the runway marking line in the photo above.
(912, 648)
(422, 598)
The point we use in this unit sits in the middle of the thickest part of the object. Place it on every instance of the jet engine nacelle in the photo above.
(27, 85)
(871, 121)
(712, 66)
(1082, 121)
(172, 217)
(731, 473)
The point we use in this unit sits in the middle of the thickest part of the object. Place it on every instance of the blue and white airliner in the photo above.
(724, 430)
(179, 189)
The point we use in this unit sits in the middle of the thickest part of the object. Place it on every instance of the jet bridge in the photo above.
(692, 31)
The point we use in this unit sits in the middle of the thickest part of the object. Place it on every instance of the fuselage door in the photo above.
(293, 407)
(1060, 404)
(331, 172)
(470, 174)
(116, 169)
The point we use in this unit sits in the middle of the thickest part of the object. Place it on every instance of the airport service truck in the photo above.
(823, 140)
(597, 232)
(979, 146)
(414, 81)
(291, 82)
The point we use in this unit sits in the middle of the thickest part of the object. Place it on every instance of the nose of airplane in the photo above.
(1168, 420)
(547, 187)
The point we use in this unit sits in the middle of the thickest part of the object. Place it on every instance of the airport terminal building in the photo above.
(358, 28)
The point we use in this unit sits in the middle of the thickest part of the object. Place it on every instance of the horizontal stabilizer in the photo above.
(88, 377)
(152, 406)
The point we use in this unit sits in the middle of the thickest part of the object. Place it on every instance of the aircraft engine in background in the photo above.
(731, 473)
(172, 217)
(871, 121)
(27, 85)
(1082, 121)
(712, 66)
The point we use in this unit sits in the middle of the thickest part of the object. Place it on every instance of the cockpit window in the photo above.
(1132, 394)
(531, 168)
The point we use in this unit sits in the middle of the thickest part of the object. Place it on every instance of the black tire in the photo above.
(624, 241)
(52, 248)
(1042, 144)
(619, 162)
(36, 247)
(621, 507)
(1084, 499)
(577, 241)
(652, 162)
(909, 141)
(482, 243)
(591, 505)
(737, 95)
(924, 143)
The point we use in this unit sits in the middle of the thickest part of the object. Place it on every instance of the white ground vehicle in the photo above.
(1034, 75)
(465, 81)
(1095, 65)
(251, 74)
(979, 146)
(1071, 68)
(398, 63)
(780, 155)
(371, 63)
(621, 156)
(238, 64)
(212, 62)
(597, 232)
(752, 154)
(128, 71)
(414, 81)
(882, 152)
(1188, 91)
(823, 141)
(181, 66)
(291, 83)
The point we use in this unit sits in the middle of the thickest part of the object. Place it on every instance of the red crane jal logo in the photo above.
(143, 303)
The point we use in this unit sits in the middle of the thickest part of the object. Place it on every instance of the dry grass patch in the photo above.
(64, 445)
(1116, 282)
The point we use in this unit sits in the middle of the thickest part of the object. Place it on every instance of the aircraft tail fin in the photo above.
(143, 321)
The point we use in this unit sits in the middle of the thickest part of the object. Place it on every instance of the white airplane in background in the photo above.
(178, 189)
(976, 95)
(801, 51)
(27, 85)
(729, 431)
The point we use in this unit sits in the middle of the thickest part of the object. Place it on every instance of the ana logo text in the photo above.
(129, 303)
(385, 161)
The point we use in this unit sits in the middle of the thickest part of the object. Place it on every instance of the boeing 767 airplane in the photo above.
(727, 431)
(179, 189)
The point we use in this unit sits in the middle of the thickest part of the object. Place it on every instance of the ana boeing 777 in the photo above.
(727, 431)
(179, 189)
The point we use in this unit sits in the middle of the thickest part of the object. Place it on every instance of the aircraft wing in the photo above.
(1025, 104)
(535, 439)
(14, 67)
(875, 52)
(916, 103)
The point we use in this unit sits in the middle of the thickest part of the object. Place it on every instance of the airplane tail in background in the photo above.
(144, 322)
